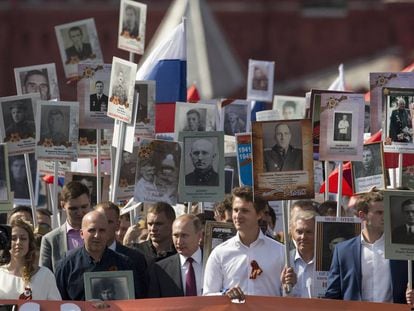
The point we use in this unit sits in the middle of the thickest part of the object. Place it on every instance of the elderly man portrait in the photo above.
(283, 156)
(400, 123)
(79, 50)
(202, 155)
(36, 81)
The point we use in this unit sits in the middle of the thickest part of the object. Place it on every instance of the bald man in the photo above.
(202, 155)
(92, 257)
(170, 277)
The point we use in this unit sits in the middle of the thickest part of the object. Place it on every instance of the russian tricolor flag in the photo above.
(167, 65)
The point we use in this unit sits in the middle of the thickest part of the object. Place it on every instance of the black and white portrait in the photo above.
(402, 221)
(132, 23)
(54, 127)
(235, 119)
(195, 117)
(109, 285)
(260, 80)
(90, 182)
(18, 177)
(371, 162)
(4, 192)
(342, 127)
(289, 107)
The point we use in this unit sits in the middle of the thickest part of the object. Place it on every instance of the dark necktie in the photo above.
(190, 282)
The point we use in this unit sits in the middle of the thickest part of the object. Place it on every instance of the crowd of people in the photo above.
(165, 252)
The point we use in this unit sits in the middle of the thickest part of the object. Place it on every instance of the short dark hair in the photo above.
(54, 112)
(289, 103)
(108, 205)
(73, 190)
(246, 194)
(194, 111)
(407, 202)
(99, 81)
(162, 207)
(35, 72)
(280, 124)
(75, 28)
(21, 208)
(44, 211)
(366, 199)
(223, 206)
(306, 205)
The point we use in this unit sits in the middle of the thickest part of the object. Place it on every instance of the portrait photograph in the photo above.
(121, 90)
(289, 107)
(126, 182)
(408, 176)
(4, 175)
(399, 107)
(195, 117)
(202, 166)
(145, 121)
(41, 79)
(58, 133)
(78, 42)
(330, 231)
(132, 24)
(399, 224)
(109, 285)
(89, 180)
(157, 173)
(235, 116)
(18, 127)
(93, 96)
(341, 127)
(19, 181)
(283, 159)
(87, 143)
(260, 80)
(369, 172)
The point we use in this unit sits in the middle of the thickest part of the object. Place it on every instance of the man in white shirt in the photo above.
(302, 228)
(182, 273)
(250, 262)
(359, 270)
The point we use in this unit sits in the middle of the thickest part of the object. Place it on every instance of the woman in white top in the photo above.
(21, 278)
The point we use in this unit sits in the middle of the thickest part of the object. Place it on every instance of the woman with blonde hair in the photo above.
(21, 277)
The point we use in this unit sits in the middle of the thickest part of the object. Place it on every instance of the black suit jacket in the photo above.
(72, 52)
(165, 278)
(401, 236)
(140, 265)
(95, 104)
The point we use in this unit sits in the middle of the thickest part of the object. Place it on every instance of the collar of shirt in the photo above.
(113, 246)
(378, 243)
(299, 257)
(196, 257)
(70, 228)
(259, 239)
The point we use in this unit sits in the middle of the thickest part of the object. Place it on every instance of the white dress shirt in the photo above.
(198, 270)
(304, 274)
(376, 284)
(229, 265)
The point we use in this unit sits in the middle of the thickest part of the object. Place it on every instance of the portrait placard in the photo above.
(127, 173)
(18, 127)
(195, 117)
(121, 90)
(283, 159)
(289, 107)
(268, 115)
(5, 195)
(379, 80)
(132, 23)
(235, 116)
(57, 131)
(244, 159)
(370, 172)
(78, 42)
(230, 163)
(398, 112)
(342, 127)
(92, 92)
(48, 167)
(87, 145)
(41, 79)
(260, 80)
(89, 180)
(330, 231)
(158, 168)
(398, 224)
(109, 285)
(202, 167)
(215, 233)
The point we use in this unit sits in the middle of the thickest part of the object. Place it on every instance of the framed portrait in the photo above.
(19, 181)
(398, 113)
(132, 23)
(109, 285)
(283, 159)
(41, 79)
(121, 90)
(215, 233)
(87, 144)
(5, 196)
(330, 231)
(341, 127)
(378, 81)
(126, 182)
(369, 172)
(289, 107)
(398, 224)
(158, 169)
(92, 92)
(408, 176)
(235, 116)
(244, 159)
(260, 80)
(89, 180)
(18, 126)
(202, 167)
(230, 163)
(195, 117)
(367, 120)
(78, 42)
(57, 132)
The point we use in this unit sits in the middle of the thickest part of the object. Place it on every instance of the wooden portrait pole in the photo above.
(30, 184)
(98, 167)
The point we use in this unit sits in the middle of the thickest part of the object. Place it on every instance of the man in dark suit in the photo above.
(182, 273)
(282, 156)
(137, 258)
(404, 234)
(400, 123)
(79, 50)
(98, 101)
(359, 270)
(130, 26)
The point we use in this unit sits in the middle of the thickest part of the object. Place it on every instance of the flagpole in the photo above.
(30, 184)
(339, 200)
(326, 167)
(98, 167)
